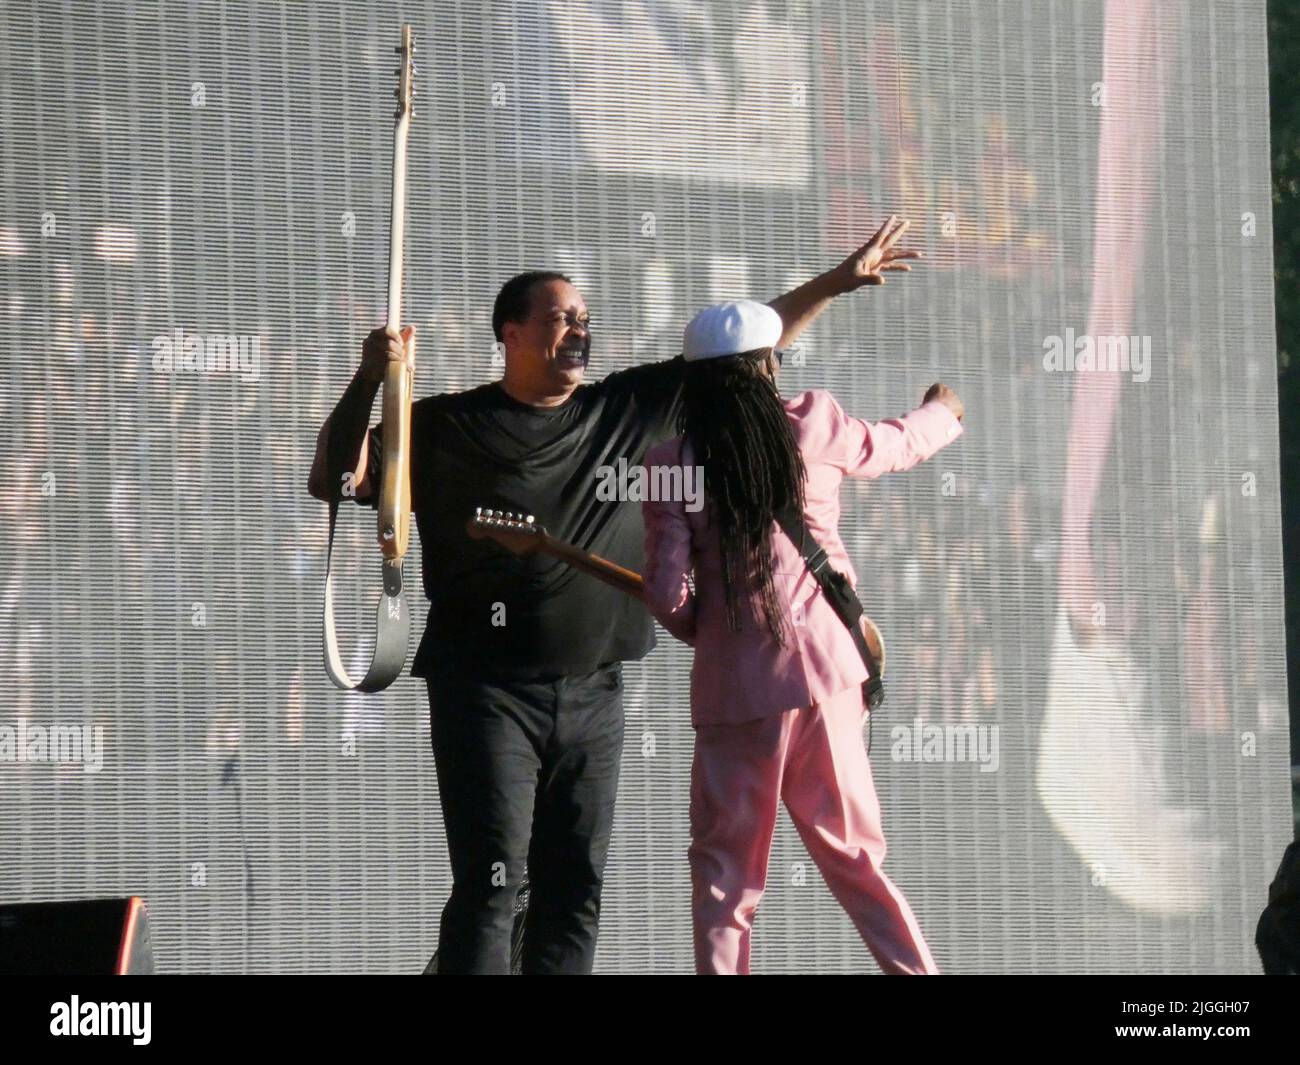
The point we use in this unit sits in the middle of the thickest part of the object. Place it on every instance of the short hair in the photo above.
(514, 299)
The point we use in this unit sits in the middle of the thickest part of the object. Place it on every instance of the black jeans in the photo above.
(527, 772)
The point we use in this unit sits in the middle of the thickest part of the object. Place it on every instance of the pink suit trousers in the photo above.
(813, 760)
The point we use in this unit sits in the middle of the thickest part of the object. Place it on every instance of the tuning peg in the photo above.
(530, 519)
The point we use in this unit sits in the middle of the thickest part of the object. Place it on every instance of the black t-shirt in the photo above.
(482, 448)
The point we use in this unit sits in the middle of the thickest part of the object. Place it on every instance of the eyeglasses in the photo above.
(572, 321)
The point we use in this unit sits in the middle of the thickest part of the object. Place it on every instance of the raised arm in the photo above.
(800, 307)
(343, 443)
(867, 449)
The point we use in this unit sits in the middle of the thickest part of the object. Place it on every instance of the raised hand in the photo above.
(869, 264)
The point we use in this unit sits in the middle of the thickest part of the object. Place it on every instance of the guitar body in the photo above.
(395, 480)
(875, 641)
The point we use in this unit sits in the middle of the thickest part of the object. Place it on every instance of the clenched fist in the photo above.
(947, 397)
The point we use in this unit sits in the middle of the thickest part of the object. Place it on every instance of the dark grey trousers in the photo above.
(527, 773)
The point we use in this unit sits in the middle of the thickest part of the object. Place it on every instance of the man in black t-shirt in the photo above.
(523, 656)
(496, 614)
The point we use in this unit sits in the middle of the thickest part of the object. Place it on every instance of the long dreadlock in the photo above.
(733, 417)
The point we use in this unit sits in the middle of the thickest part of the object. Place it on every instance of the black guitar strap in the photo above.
(840, 595)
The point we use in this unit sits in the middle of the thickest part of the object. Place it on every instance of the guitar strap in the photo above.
(392, 627)
(841, 597)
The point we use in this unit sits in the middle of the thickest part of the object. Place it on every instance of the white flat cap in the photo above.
(730, 328)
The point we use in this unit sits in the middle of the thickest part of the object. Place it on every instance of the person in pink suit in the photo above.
(776, 696)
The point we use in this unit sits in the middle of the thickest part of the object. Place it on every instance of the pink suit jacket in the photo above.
(742, 676)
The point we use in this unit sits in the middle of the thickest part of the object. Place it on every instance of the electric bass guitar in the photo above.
(521, 535)
(393, 621)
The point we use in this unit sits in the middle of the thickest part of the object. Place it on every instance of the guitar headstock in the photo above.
(519, 533)
(405, 74)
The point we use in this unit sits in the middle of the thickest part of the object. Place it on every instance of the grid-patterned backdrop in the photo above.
(1072, 169)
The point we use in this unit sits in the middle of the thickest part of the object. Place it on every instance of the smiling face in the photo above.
(547, 350)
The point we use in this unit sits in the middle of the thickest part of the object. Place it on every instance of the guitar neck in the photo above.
(394, 514)
(602, 569)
